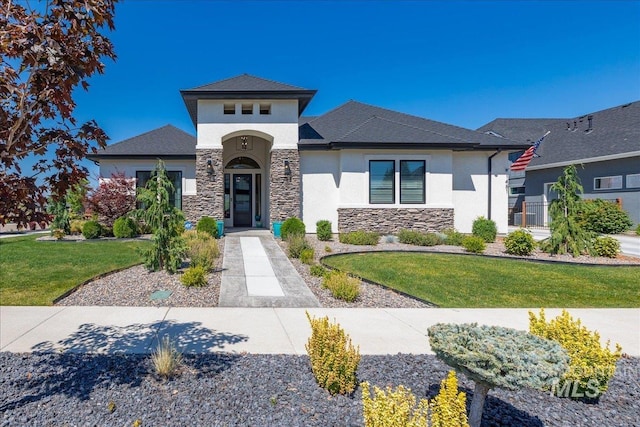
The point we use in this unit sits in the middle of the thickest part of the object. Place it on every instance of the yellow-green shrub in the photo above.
(449, 407)
(75, 226)
(399, 407)
(393, 408)
(591, 366)
(202, 249)
(341, 285)
(334, 359)
(194, 276)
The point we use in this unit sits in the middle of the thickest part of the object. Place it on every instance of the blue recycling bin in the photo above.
(276, 229)
(220, 225)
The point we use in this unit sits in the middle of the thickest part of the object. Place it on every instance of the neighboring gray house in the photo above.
(256, 160)
(605, 146)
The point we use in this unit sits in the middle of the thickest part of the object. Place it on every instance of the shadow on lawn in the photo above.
(122, 359)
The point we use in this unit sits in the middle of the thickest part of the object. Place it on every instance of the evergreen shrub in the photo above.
(474, 244)
(125, 227)
(91, 230)
(418, 238)
(195, 275)
(591, 366)
(306, 256)
(334, 359)
(519, 242)
(360, 237)
(341, 285)
(206, 224)
(606, 246)
(323, 230)
(485, 228)
(453, 237)
(603, 217)
(292, 226)
(317, 270)
(297, 244)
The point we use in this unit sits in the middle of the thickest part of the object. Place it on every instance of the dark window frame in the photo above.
(424, 183)
(393, 182)
(177, 201)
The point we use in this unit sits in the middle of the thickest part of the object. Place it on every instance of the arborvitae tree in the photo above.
(166, 221)
(494, 356)
(567, 235)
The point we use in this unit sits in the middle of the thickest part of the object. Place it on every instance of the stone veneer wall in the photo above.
(284, 193)
(209, 198)
(391, 220)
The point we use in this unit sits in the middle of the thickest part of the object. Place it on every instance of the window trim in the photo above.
(596, 179)
(228, 109)
(177, 201)
(246, 109)
(633, 176)
(424, 181)
(393, 182)
(265, 109)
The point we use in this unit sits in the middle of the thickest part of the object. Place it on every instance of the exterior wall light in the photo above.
(287, 170)
(209, 168)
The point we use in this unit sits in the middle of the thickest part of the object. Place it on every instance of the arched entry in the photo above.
(246, 180)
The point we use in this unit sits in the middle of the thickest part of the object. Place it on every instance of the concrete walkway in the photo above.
(256, 273)
(265, 330)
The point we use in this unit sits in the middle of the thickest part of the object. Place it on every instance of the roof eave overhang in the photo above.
(98, 157)
(191, 98)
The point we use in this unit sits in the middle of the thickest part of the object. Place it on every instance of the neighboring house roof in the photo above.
(167, 141)
(245, 86)
(614, 133)
(355, 124)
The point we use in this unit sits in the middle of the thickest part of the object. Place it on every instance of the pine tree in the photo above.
(567, 235)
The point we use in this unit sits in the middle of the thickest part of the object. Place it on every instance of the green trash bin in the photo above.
(276, 229)
(220, 225)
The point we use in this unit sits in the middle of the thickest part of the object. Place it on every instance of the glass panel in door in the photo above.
(242, 200)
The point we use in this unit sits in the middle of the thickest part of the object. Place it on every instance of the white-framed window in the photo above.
(633, 180)
(229, 108)
(607, 182)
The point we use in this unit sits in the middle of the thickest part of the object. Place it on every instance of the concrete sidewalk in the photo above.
(265, 330)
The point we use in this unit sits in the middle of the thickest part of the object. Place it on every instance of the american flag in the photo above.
(521, 162)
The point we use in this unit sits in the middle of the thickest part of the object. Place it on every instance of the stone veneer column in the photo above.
(209, 198)
(284, 192)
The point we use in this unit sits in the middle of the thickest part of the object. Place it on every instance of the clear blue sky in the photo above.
(460, 62)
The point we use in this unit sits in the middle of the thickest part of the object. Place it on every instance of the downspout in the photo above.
(489, 172)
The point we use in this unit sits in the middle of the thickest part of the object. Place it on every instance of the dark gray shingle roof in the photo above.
(245, 86)
(167, 141)
(354, 124)
(614, 131)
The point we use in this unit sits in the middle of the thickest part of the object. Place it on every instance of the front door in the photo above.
(242, 200)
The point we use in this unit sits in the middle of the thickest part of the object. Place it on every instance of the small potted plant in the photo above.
(258, 222)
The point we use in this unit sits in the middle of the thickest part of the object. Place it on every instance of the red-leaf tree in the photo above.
(47, 52)
(114, 197)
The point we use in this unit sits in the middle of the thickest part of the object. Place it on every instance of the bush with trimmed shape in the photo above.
(591, 366)
(606, 246)
(474, 244)
(603, 217)
(125, 227)
(91, 230)
(206, 224)
(292, 226)
(519, 242)
(485, 228)
(360, 237)
(323, 230)
(334, 359)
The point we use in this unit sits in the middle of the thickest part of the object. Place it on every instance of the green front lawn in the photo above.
(474, 281)
(35, 273)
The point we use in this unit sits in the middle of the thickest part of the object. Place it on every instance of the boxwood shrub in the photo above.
(520, 242)
(292, 226)
(485, 228)
(91, 230)
(323, 230)
(474, 244)
(209, 225)
(125, 227)
(606, 246)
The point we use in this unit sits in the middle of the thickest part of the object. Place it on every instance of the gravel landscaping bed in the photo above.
(262, 390)
(133, 287)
